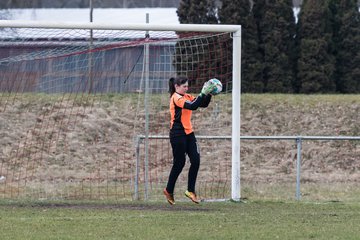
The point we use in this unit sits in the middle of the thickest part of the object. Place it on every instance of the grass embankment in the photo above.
(65, 141)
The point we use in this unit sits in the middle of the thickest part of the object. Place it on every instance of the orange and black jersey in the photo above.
(181, 107)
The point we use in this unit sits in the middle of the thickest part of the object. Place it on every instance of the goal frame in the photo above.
(235, 30)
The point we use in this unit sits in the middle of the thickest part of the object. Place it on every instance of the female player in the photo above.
(182, 136)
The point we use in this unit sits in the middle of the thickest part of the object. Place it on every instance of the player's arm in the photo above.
(190, 102)
(202, 100)
(195, 103)
(206, 101)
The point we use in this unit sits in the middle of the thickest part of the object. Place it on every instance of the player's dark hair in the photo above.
(176, 81)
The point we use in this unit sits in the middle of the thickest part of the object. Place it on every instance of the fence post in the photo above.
(298, 167)
(137, 167)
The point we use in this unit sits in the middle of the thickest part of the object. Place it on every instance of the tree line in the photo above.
(317, 51)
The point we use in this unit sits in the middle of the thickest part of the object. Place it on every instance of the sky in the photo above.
(108, 15)
(82, 15)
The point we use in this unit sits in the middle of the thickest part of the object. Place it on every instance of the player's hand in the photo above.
(207, 88)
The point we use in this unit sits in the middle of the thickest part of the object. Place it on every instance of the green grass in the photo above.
(155, 220)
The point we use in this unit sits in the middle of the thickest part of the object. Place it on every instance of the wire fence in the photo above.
(298, 140)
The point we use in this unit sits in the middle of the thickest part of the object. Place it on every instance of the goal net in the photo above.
(85, 110)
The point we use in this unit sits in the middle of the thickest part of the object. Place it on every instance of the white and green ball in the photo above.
(218, 85)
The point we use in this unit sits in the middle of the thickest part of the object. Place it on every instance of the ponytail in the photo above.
(171, 86)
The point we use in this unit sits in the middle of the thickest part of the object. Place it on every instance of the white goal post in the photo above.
(235, 31)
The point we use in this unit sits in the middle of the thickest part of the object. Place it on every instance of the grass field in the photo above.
(158, 220)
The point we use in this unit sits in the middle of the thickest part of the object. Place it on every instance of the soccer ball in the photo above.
(218, 85)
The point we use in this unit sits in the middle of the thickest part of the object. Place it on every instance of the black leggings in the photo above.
(182, 145)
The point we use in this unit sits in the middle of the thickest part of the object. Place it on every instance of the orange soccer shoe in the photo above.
(192, 196)
(169, 197)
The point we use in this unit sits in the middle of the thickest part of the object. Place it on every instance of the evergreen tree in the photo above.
(316, 62)
(346, 26)
(197, 11)
(276, 26)
(240, 12)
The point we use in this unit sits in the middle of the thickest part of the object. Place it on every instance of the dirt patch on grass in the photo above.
(122, 206)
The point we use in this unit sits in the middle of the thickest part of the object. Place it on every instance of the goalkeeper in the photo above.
(182, 138)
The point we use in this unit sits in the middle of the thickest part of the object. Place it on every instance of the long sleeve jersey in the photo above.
(181, 107)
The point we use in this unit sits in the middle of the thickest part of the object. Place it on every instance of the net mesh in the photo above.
(73, 104)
